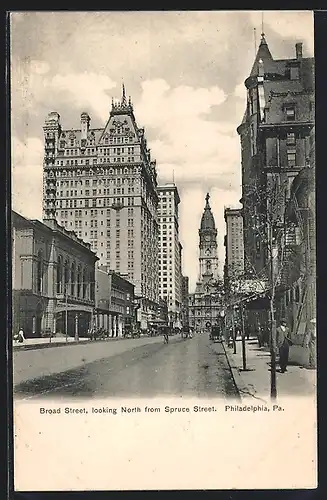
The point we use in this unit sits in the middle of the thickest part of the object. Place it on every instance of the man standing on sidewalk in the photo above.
(283, 345)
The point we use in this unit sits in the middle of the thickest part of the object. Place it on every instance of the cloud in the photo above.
(27, 188)
(33, 86)
(296, 25)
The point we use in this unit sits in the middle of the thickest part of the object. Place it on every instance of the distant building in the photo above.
(53, 272)
(101, 183)
(234, 246)
(206, 304)
(114, 302)
(185, 301)
(170, 258)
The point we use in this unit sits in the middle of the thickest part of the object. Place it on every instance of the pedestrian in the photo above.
(20, 336)
(283, 343)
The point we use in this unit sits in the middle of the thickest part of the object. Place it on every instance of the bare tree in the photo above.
(269, 225)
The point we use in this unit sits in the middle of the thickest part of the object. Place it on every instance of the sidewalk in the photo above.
(41, 343)
(254, 383)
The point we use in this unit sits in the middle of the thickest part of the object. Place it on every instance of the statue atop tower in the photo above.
(208, 258)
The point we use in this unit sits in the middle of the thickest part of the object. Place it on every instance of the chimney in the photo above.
(85, 124)
(298, 49)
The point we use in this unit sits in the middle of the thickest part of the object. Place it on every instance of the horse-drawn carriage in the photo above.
(215, 334)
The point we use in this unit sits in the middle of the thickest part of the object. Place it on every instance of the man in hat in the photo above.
(283, 343)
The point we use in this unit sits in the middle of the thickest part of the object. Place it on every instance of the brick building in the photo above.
(114, 302)
(52, 272)
(185, 301)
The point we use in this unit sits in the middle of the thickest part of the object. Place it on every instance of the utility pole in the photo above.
(273, 388)
(243, 338)
(234, 332)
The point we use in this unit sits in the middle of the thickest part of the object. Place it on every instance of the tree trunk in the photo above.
(273, 389)
(243, 340)
(234, 335)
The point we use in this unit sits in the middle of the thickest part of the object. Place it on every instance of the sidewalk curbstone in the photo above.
(243, 388)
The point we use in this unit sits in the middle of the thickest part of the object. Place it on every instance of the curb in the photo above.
(29, 347)
(34, 347)
(241, 386)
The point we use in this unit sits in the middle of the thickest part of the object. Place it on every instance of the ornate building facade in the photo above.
(206, 304)
(275, 134)
(53, 279)
(101, 183)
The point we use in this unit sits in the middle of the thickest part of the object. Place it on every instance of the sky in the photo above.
(185, 72)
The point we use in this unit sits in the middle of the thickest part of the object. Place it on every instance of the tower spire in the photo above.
(123, 100)
(262, 29)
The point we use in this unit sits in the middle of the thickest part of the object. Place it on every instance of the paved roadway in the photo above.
(192, 367)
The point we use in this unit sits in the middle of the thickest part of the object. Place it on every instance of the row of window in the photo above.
(116, 181)
(94, 213)
(129, 159)
(95, 202)
(110, 140)
(90, 172)
(95, 192)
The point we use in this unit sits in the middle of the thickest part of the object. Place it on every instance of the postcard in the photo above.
(163, 250)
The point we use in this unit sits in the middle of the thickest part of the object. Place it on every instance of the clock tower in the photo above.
(206, 304)
(208, 258)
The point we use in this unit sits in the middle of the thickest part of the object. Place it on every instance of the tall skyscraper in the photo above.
(170, 260)
(206, 303)
(234, 247)
(101, 183)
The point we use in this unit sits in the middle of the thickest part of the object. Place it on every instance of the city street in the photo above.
(142, 367)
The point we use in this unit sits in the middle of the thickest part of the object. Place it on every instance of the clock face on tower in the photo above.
(208, 251)
(207, 238)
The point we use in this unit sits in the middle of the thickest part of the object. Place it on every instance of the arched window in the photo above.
(297, 293)
(84, 284)
(59, 274)
(66, 276)
(72, 278)
(79, 279)
(39, 272)
(92, 286)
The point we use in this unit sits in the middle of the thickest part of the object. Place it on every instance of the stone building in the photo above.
(275, 144)
(185, 301)
(101, 183)
(298, 302)
(170, 258)
(234, 245)
(53, 272)
(274, 136)
(206, 304)
(114, 302)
